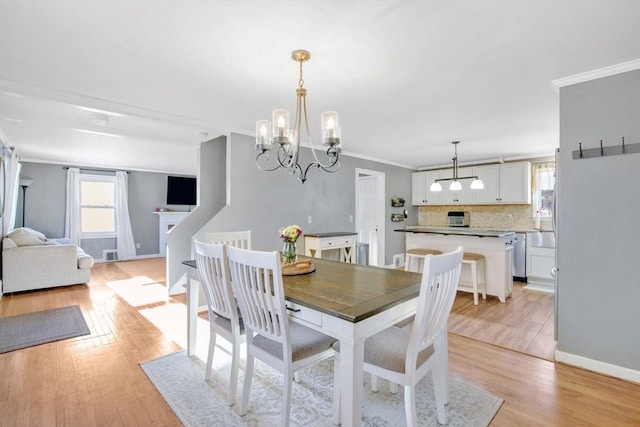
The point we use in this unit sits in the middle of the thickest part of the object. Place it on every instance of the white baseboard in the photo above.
(98, 261)
(598, 366)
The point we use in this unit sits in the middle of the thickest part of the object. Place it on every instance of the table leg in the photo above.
(192, 315)
(351, 373)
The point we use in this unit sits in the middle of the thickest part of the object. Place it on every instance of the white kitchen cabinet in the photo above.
(420, 194)
(515, 183)
(540, 262)
(508, 183)
(463, 196)
(505, 183)
(490, 176)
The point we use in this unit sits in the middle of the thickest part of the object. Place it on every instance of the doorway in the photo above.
(370, 208)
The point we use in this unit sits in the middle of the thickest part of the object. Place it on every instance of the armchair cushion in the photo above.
(25, 236)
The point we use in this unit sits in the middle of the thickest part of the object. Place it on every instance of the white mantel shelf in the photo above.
(167, 221)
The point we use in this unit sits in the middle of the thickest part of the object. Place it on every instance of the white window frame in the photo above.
(98, 178)
(535, 200)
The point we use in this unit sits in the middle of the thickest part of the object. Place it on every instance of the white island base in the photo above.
(498, 253)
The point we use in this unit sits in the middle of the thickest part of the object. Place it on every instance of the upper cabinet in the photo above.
(508, 183)
(461, 197)
(420, 194)
(515, 183)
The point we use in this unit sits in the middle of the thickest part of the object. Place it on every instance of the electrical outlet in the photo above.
(137, 245)
(350, 218)
(309, 219)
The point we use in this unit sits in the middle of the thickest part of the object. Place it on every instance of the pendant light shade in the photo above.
(477, 184)
(435, 187)
(455, 186)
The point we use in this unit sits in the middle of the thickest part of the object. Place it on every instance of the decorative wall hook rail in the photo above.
(613, 150)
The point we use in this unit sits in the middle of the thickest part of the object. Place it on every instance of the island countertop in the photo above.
(458, 231)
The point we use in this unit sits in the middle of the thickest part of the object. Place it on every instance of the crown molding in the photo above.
(103, 106)
(597, 74)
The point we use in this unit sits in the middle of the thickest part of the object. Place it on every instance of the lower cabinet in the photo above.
(540, 262)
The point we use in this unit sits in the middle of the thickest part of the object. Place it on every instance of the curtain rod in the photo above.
(96, 169)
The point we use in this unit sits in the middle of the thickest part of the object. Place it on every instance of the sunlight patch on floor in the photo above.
(139, 291)
(171, 319)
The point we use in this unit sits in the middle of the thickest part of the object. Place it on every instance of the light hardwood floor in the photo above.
(96, 380)
(523, 323)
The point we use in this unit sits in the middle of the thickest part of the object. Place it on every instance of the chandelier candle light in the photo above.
(455, 185)
(287, 141)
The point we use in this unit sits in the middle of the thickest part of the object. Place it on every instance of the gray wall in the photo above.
(599, 223)
(45, 206)
(212, 195)
(263, 202)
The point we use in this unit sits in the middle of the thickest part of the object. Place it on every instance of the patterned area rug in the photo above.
(180, 380)
(41, 327)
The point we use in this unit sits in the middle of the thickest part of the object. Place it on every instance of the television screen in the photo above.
(181, 191)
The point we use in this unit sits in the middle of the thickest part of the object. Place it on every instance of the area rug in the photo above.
(196, 402)
(41, 327)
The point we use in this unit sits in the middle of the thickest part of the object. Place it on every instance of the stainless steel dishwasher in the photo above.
(520, 257)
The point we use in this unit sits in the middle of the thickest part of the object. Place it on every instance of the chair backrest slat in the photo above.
(257, 285)
(438, 290)
(213, 270)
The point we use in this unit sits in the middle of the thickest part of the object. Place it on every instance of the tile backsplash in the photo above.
(498, 217)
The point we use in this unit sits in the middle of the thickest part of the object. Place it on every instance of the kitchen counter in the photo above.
(495, 245)
(458, 231)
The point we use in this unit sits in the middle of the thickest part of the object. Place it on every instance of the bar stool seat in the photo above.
(477, 275)
(415, 255)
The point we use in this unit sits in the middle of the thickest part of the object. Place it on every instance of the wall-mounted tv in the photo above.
(181, 191)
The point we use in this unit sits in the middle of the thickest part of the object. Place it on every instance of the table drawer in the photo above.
(304, 313)
(329, 243)
(346, 241)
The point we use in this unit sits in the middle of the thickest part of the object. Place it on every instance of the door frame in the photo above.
(380, 208)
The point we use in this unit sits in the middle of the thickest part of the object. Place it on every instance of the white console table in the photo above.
(167, 221)
(314, 244)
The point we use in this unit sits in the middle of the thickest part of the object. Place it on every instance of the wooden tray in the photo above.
(299, 267)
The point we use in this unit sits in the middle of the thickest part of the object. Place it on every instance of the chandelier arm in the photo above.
(266, 153)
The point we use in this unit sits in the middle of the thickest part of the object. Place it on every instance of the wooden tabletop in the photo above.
(351, 292)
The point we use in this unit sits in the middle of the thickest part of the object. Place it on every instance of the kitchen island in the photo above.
(495, 245)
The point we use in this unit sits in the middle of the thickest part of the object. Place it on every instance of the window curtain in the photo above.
(11, 179)
(124, 241)
(542, 181)
(72, 215)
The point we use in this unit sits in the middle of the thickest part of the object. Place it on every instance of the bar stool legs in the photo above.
(478, 281)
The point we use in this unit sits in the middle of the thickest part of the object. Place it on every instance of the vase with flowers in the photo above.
(289, 236)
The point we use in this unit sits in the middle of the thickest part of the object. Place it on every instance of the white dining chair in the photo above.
(404, 357)
(271, 338)
(238, 239)
(224, 319)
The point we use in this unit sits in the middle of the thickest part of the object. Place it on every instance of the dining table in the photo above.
(349, 302)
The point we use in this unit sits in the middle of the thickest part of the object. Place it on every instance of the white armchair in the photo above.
(31, 261)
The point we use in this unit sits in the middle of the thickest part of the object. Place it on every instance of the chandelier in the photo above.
(279, 145)
(455, 185)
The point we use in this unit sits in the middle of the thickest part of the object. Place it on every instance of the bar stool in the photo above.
(416, 255)
(477, 279)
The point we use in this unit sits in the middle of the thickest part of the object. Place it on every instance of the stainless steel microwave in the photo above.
(458, 219)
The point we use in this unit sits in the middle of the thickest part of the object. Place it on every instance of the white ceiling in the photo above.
(407, 78)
